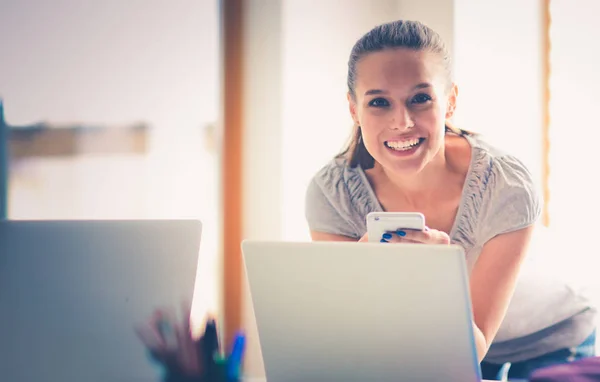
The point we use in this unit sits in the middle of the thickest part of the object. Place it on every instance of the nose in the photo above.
(401, 119)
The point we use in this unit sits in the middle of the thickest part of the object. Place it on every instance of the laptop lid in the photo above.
(72, 291)
(334, 311)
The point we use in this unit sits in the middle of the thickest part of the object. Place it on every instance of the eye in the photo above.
(379, 102)
(420, 98)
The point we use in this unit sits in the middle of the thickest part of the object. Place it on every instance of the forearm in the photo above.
(480, 343)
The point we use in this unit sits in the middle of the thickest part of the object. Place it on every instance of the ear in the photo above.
(352, 108)
(452, 96)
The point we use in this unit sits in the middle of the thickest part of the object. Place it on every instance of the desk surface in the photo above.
(264, 380)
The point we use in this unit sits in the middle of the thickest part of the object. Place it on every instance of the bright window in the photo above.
(574, 205)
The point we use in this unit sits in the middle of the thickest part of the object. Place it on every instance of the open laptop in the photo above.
(334, 311)
(72, 291)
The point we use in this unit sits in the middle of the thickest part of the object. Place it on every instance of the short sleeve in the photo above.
(325, 201)
(511, 200)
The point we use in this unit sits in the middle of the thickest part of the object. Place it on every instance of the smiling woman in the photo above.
(384, 106)
(405, 156)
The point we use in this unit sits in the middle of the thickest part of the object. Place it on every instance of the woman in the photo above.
(406, 156)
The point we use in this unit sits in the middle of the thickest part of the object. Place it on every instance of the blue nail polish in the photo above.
(383, 241)
(387, 236)
(401, 233)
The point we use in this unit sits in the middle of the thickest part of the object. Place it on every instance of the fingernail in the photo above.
(383, 241)
(387, 236)
(401, 233)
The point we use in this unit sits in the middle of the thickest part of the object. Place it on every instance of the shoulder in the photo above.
(337, 199)
(339, 182)
(505, 190)
(499, 172)
(332, 177)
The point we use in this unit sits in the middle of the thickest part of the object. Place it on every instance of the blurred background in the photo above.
(223, 111)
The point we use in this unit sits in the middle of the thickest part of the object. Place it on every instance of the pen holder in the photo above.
(216, 367)
(191, 359)
(217, 371)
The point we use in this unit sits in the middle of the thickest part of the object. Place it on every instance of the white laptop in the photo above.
(334, 311)
(72, 291)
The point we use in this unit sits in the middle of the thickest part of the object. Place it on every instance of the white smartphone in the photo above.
(379, 223)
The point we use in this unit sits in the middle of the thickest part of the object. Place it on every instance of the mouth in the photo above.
(404, 147)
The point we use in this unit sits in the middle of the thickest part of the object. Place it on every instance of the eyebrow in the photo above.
(379, 91)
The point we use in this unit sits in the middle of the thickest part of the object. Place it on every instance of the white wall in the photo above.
(437, 14)
(263, 106)
(109, 61)
(574, 134)
(316, 122)
(497, 60)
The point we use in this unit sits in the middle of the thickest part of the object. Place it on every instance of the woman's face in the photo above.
(402, 103)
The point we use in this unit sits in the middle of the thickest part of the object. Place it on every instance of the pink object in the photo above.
(583, 370)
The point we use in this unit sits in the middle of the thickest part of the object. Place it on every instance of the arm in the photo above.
(481, 341)
(493, 281)
(322, 236)
(326, 209)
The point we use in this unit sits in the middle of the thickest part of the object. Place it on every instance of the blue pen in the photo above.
(234, 361)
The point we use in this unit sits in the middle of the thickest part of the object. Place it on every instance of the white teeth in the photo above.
(402, 145)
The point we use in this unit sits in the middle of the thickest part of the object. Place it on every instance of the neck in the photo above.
(417, 187)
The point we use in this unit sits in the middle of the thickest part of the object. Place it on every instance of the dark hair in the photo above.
(397, 34)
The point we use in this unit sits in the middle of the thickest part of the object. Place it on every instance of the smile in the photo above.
(404, 145)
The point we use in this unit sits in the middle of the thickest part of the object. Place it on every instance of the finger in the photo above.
(438, 237)
(387, 237)
(393, 237)
(157, 317)
(428, 236)
(150, 337)
(151, 330)
(415, 235)
(390, 237)
(155, 330)
(167, 328)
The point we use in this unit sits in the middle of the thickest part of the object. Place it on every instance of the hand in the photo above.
(427, 236)
(171, 343)
(364, 239)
